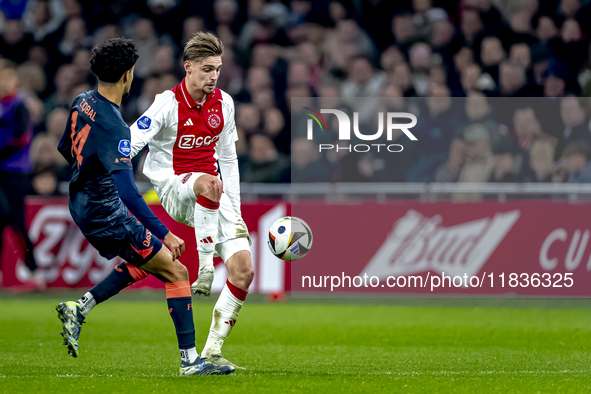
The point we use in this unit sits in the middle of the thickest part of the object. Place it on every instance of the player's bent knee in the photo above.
(181, 273)
(249, 277)
(208, 186)
(240, 270)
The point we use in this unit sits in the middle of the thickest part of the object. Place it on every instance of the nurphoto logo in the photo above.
(344, 131)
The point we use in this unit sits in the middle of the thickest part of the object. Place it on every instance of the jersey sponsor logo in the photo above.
(190, 141)
(144, 123)
(146, 242)
(214, 121)
(186, 177)
(125, 147)
(188, 122)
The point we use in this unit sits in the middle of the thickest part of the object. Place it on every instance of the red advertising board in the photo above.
(68, 260)
(531, 248)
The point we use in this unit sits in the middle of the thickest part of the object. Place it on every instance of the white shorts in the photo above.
(179, 201)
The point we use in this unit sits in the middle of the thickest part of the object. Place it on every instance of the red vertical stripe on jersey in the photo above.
(198, 132)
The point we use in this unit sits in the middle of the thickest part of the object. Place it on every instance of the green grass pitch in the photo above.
(325, 346)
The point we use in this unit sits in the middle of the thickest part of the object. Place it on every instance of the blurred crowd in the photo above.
(454, 62)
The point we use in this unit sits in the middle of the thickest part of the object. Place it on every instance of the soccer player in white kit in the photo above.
(188, 129)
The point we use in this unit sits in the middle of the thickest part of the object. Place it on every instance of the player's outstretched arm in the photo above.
(227, 157)
(132, 198)
(151, 122)
(65, 145)
(228, 160)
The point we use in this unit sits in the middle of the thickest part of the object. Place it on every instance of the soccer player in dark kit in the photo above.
(96, 143)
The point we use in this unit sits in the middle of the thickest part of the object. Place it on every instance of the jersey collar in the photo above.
(192, 103)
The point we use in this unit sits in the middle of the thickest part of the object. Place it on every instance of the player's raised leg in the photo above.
(208, 192)
(232, 297)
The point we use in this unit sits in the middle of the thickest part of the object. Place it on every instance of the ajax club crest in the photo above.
(213, 120)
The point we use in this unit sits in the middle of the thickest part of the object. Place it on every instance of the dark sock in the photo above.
(178, 296)
(122, 276)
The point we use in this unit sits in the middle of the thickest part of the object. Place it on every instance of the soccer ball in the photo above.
(290, 238)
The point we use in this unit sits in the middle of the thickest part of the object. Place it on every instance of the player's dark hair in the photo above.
(110, 59)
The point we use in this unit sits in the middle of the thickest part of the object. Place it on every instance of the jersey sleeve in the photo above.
(151, 122)
(132, 198)
(65, 144)
(115, 149)
(228, 136)
(228, 160)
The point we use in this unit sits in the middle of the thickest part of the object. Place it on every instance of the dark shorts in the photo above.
(129, 240)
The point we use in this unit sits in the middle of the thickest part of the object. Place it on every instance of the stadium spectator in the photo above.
(311, 58)
(230, 80)
(450, 171)
(43, 152)
(545, 28)
(390, 58)
(492, 54)
(364, 81)
(65, 80)
(508, 164)
(75, 37)
(105, 32)
(576, 167)
(163, 61)
(541, 160)
(45, 182)
(308, 165)
(404, 29)
(265, 164)
(472, 78)
(436, 129)
(556, 79)
(264, 99)
(248, 118)
(470, 24)
(574, 120)
(478, 150)
(463, 58)
(31, 78)
(528, 128)
(168, 81)
(138, 105)
(43, 18)
(15, 165)
(146, 41)
(192, 25)
(275, 52)
(480, 112)
(36, 112)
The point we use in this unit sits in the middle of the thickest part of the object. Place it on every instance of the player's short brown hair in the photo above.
(201, 46)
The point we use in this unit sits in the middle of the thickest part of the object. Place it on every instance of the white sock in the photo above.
(225, 314)
(206, 225)
(87, 302)
(205, 260)
(189, 355)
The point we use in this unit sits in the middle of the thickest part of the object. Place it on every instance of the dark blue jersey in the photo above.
(96, 143)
